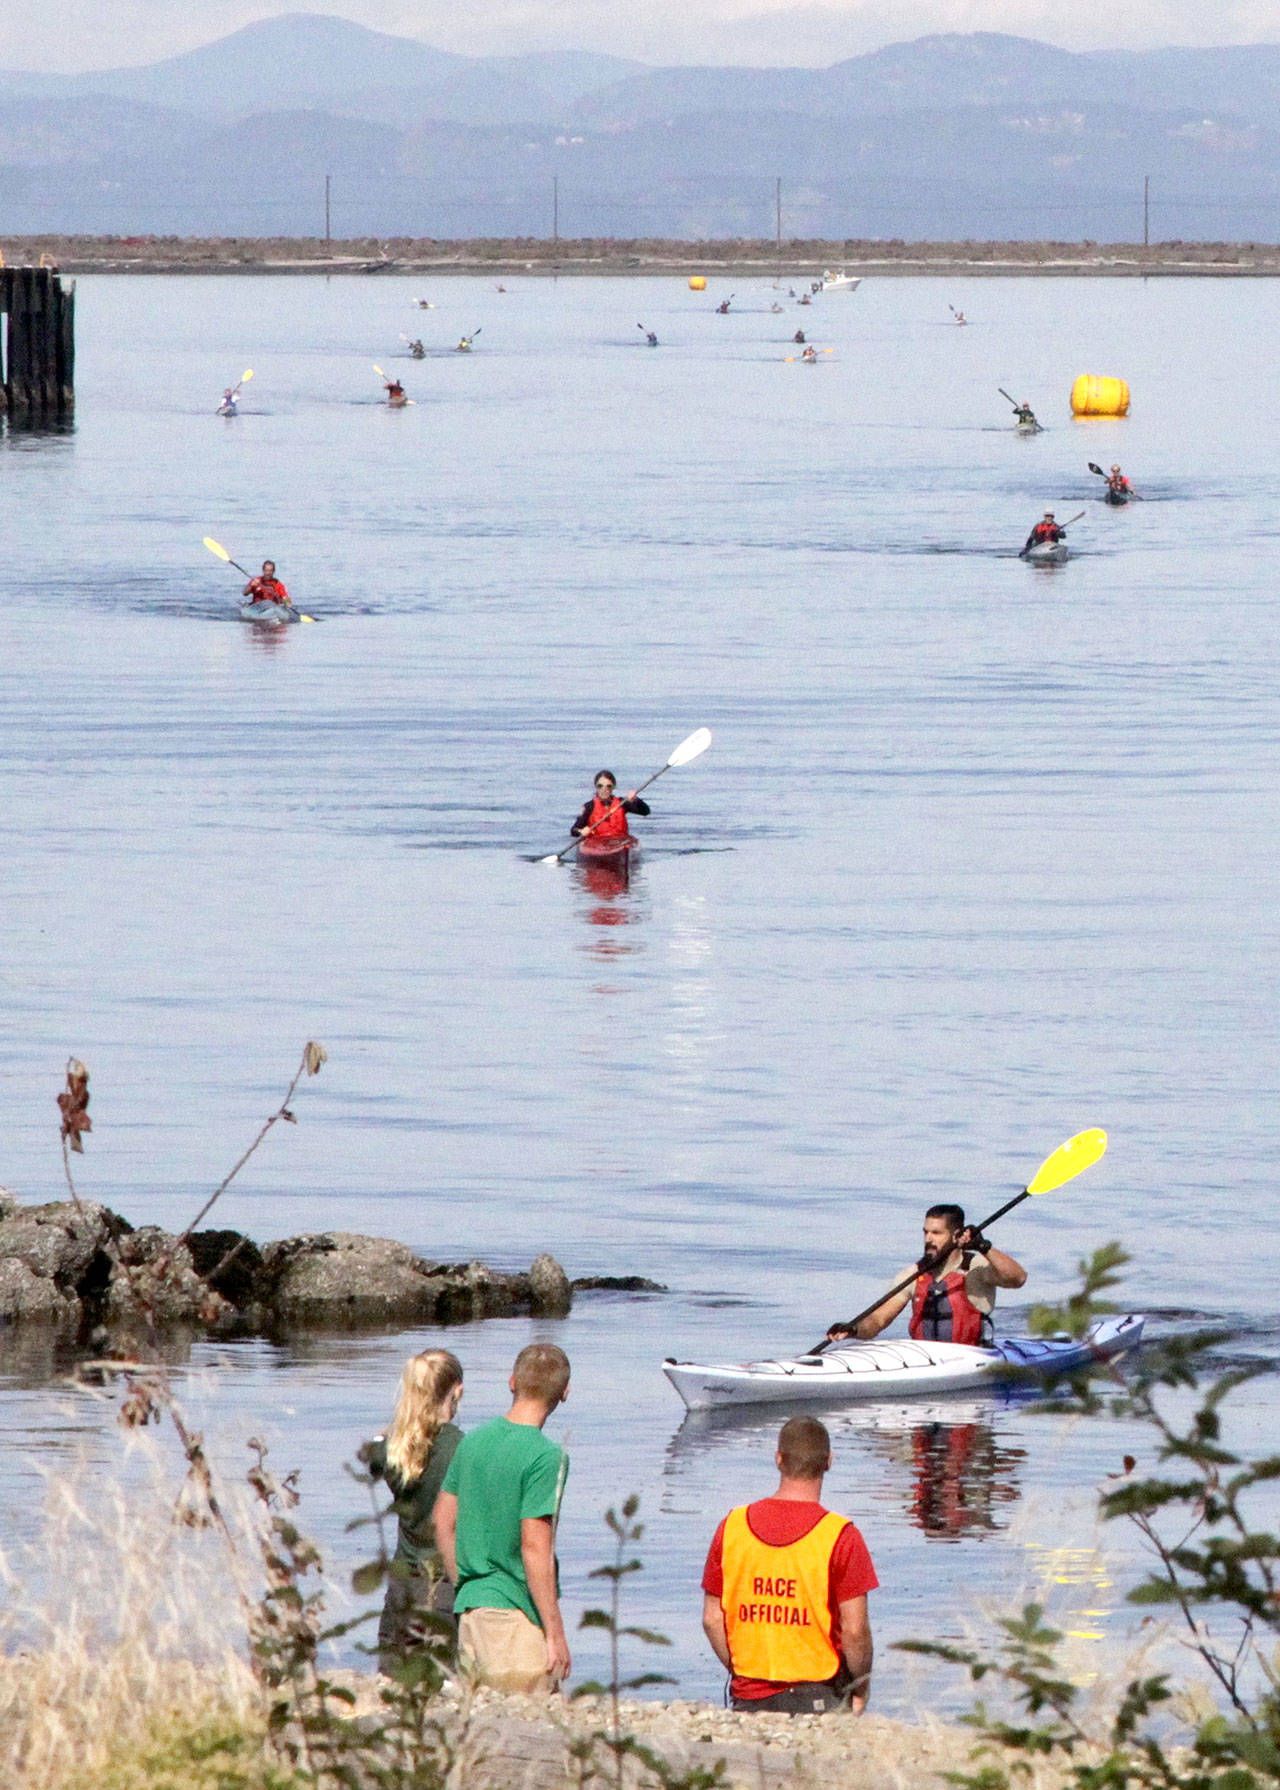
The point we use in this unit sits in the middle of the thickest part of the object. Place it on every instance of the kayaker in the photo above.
(810, 354)
(798, 338)
(417, 350)
(785, 1591)
(266, 587)
(722, 309)
(651, 338)
(1044, 532)
(604, 816)
(954, 1291)
(1025, 417)
(395, 393)
(228, 404)
(959, 316)
(1118, 484)
(464, 345)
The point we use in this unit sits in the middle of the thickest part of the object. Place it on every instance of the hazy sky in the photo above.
(67, 35)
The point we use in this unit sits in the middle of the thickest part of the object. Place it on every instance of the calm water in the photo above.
(982, 853)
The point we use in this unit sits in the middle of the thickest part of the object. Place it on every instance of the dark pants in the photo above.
(418, 1611)
(796, 1699)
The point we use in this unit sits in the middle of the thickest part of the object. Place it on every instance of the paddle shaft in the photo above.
(586, 832)
(911, 1278)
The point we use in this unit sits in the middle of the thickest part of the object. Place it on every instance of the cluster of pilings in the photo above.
(37, 370)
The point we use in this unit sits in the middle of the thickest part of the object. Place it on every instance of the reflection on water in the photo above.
(962, 1480)
(614, 899)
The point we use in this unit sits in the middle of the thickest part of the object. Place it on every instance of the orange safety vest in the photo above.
(948, 1290)
(777, 1602)
(607, 822)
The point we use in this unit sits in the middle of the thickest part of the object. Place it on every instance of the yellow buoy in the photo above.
(697, 282)
(1097, 394)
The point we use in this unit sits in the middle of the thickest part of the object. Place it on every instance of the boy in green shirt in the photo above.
(495, 1526)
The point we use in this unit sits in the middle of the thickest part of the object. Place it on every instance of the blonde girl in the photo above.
(412, 1457)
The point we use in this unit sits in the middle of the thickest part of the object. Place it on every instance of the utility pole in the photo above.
(1146, 211)
(777, 213)
(328, 236)
(555, 208)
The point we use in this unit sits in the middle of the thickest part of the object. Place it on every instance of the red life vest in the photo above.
(607, 821)
(1047, 531)
(927, 1320)
(267, 590)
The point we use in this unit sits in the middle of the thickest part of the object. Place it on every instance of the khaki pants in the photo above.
(503, 1649)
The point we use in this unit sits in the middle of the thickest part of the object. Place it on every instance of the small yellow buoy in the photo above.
(1096, 394)
(697, 282)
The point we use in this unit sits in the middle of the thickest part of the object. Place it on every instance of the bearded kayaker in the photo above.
(266, 587)
(605, 816)
(785, 1591)
(955, 1285)
(1045, 532)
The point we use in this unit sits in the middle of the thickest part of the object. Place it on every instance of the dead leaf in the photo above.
(313, 1056)
(74, 1105)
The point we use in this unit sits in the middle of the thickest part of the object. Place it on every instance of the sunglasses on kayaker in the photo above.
(604, 783)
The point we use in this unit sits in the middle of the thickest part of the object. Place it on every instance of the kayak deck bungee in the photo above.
(616, 849)
(268, 614)
(897, 1369)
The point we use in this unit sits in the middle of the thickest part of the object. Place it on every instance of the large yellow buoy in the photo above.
(1097, 394)
(697, 282)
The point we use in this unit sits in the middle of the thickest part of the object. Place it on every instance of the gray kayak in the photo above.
(268, 615)
(1048, 553)
(898, 1369)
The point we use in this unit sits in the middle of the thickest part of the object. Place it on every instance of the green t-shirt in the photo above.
(501, 1473)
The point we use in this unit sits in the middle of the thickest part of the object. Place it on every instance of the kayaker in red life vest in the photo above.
(1045, 530)
(395, 393)
(266, 587)
(955, 1286)
(1117, 482)
(785, 1591)
(605, 816)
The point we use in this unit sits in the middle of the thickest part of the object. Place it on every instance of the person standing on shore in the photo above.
(495, 1523)
(785, 1591)
(413, 1457)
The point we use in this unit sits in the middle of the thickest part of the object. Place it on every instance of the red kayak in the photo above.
(614, 851)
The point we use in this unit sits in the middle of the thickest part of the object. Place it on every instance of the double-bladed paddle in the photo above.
(1067, 1161)
(220, 552)
(685, 753)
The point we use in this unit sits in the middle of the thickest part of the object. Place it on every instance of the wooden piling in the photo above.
(38, 365)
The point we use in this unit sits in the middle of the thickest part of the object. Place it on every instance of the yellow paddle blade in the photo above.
(246, 376)
(378, 370)
(305, 618)
(214, 547)
(1068, 1161)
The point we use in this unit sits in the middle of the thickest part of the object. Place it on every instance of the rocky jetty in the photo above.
(89, 1275)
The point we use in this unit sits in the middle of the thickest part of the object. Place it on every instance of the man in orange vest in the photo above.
(954, 1291)
(785, 1591)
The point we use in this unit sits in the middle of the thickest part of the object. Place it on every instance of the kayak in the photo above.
(614, 851)
(1047, 553)
(897, 1369)
(269, 614)
(1031, 428)
(1110, 496)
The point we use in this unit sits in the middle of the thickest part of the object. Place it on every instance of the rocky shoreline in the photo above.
(83, 1273)
(730, 259)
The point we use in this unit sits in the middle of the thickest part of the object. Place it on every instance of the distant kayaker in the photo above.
(954, 1291)
(1025, 417)
(959, 316)
(1118, 485)
(266, 587)
(1045, 532)
(395, 393)
(651, 338)
(722, 309)
(785, 1591)
(464, 345)
(417, 350)
(798, 338)
(605, 815)
(228, 404)
(810, 354)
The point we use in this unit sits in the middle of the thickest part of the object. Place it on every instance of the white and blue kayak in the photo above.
(898, 1369)
(268, 614)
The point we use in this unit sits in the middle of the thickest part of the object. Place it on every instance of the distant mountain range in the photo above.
(978, 136)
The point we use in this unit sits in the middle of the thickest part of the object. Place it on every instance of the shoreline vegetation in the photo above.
(737, 258)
